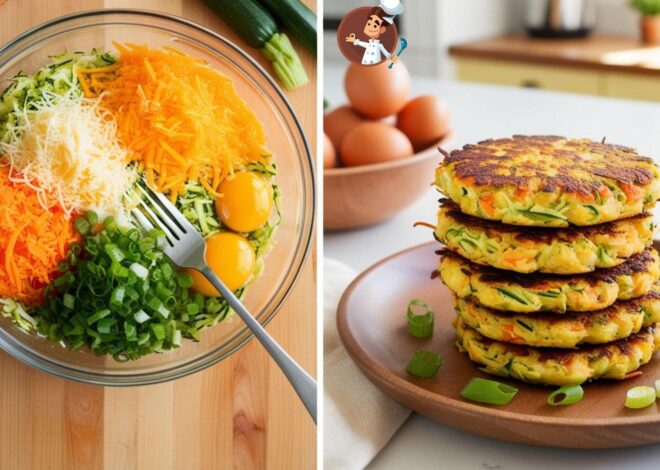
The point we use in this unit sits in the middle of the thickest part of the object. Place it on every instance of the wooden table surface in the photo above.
(240, 413)
(595, 52)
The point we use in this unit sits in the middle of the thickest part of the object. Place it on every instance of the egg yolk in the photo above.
(232, 259)
(246, 202)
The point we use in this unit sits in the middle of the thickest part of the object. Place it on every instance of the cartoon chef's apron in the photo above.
(373, 50)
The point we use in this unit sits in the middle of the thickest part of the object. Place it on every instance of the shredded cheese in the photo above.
(179, 118)
(69, 154)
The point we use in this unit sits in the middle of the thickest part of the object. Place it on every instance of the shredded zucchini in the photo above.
(27, 92)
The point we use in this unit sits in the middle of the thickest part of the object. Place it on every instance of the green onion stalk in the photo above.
(424, 364)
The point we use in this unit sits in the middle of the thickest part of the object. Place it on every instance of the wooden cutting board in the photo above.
(241, 413)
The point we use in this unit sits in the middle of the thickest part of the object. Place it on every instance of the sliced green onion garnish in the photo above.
(657, 388)
(640, 397)
(424, 364)
(420, 325)
(566, 395)
(488, 391)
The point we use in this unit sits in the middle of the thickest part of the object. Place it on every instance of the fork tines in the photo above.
(157, 210)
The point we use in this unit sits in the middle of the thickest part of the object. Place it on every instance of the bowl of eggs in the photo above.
(380, 150)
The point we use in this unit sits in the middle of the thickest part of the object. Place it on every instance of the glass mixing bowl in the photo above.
(285, 139)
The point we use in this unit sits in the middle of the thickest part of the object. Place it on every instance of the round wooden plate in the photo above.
(372, 325)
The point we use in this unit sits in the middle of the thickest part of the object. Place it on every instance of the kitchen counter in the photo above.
(239, 413)
(480, 112)
(596, 52)
(598, 65)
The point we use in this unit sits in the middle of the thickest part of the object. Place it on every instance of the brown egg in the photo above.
(377, 91)
(374, 142)
(339, 122)
(425, 120)
(329, 154)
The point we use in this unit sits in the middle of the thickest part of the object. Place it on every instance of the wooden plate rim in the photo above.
(370, 366)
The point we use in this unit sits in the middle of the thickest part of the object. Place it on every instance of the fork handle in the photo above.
(302, 382)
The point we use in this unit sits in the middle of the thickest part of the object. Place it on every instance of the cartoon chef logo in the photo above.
(368, 35)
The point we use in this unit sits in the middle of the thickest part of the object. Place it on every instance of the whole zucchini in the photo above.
(256, 27)
(299, 20)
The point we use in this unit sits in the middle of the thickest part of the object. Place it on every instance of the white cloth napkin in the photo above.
(359, 419)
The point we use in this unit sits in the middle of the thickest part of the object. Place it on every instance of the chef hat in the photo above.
(389, 19)
(392, 7)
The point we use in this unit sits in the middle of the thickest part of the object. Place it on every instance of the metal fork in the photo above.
(186, 248)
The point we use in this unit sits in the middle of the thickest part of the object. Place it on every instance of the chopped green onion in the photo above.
(118, 294)
(109, 224)
(420, 325)
(82, 226)
(117, 297)
(176, 338)
(143, 338)
(97, 316)
(487, 391)
(424, 364)
(566, 395)
(91, 217)
(141, 316)
(158, 330)
(163, 311)
(69, 301)
(139, 270)
(185, 280)
(192, 309)
(105, 325)
(640, 397)
(114, 252)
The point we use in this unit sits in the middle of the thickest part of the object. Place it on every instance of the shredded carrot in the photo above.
(177, 116)
(604, 192)
(584, 197)
(510, 333)
(32, 242)
(633, 374)
(423, 224)
(520, 194)
(487, 202)
(512, 259)
(632, 192)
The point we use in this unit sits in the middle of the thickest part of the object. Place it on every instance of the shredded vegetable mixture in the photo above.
(180, 119)
(33, 242)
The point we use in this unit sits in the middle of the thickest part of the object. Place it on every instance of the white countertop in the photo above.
(480, 112)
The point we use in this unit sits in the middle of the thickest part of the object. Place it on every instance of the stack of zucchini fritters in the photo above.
(548, 253)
